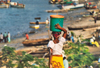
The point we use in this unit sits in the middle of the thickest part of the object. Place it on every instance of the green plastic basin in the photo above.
(54, 19)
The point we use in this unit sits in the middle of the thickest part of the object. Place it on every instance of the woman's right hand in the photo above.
(57, 26)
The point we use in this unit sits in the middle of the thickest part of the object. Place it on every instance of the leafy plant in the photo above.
(23, 60)
(41, 62)
(72, 33)
(78, 55)
(8, 56)
(20, 61)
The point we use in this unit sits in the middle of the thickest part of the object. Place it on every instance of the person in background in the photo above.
(5, 37)
(74, 3)
(36, 26)
(1, 37)
(55, 48)
(65, 61)
(95, 43)
(72, 38)
(68, 37)
(93, 37)
(47, 21)
(27, 36)
(9, 37)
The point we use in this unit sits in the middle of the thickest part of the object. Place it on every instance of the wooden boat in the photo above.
(73, 7)
(60, 2)
(39, 22)
(35, 42)
(35, 26)
(91, 7)
(82, 27)
(4, 5)
(16, 5)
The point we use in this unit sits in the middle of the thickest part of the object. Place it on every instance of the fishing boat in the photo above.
(72, 6)
(17, 5)
(60, 1)
(91, 7)
(35, 42)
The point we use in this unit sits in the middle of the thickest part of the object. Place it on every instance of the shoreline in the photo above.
(17, 43)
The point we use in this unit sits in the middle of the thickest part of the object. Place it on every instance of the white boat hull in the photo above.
(73, 7)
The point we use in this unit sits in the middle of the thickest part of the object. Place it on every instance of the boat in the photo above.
(72, 6)
(35, 26)
(60, 1)
(4, 5)
(91, 7)
(39, 22)
(35, 42)
(17, 5)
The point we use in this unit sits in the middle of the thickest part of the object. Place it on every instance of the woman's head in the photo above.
(56, 34)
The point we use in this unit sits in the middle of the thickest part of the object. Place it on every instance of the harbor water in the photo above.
(16, 20)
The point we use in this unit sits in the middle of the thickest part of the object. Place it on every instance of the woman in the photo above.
(55, 48)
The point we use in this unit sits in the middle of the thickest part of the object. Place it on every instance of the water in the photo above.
(16, 21)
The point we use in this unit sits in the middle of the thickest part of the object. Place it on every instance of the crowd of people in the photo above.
(4, 38)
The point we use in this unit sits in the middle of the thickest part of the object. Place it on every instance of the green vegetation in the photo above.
(78, 55)
(11, 60)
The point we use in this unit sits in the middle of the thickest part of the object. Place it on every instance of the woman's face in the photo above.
(56, 34)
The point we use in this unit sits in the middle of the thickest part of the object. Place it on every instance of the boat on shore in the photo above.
(91, 7)
(72, 6)
(17, 5)
(35, 42)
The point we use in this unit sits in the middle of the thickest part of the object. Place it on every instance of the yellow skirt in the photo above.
(57, 61)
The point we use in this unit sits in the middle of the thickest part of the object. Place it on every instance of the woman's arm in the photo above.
(62, 29)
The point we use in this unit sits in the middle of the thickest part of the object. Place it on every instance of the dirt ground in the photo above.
(87, 33)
